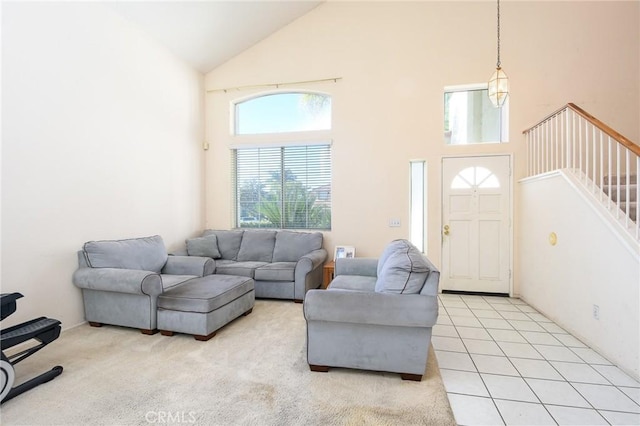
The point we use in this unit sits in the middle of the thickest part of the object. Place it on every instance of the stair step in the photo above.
(633, 188)
(623, 179)
(633, 209)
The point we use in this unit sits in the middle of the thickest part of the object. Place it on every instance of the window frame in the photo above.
(503, 120)
(280, 140)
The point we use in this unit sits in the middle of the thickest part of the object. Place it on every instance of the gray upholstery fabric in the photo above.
(170, 281)
(205, 294)
(189, 265)
(257, 246)
(274, 278)
(275, 289)
(278, 271)
(129, 281)
(309, 272)
(356, 266)
(146, 254)
(390, 249)
(404, 271)
(244, 269)
(353, 282)
(123, 309)
(125, 294)
(203, 324)
(291, 245)
(400, 310)
(206, 246)
(368, 347)
(430, 287)
(228, 242)
(351, 325)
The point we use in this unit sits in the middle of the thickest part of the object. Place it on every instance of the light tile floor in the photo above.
(502, 362)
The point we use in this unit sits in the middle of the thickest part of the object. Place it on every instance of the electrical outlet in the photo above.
(596, 312)
(394, 223)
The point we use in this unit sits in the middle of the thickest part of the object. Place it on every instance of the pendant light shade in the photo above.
(498, 87)
(499, 82)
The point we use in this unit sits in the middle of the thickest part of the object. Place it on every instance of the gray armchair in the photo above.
(121, 280)
(377, 314)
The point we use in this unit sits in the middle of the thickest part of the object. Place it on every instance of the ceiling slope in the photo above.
(206, 34)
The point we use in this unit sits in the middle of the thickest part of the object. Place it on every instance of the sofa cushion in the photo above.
(404, 271)
(204, 246)
(243, 269)
(390, 249)
(228, 242)
(145, 254)
(353, 283)
(277, 271)
(291, 246)
(257, 246)
(169, 281)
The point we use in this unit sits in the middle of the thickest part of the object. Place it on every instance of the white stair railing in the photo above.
(606, 162)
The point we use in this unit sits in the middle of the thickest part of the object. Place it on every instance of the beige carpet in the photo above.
(253, 372)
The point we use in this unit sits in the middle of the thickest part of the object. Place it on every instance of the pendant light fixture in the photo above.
(499, 83)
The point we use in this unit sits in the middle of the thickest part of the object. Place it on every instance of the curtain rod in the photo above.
(276, 85)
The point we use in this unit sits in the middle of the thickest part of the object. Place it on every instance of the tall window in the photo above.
(470, 118)
(286, 186)
(417, 203)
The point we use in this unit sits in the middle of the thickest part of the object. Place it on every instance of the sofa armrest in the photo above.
(189, 265)
(118, 280)
(399, 310)
(366, 266)
(308, 272)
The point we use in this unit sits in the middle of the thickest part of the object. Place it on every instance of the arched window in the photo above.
(283, 185)
(283, 112)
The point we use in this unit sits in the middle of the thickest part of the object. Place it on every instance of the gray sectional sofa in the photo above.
(135, 283)
(283, 264)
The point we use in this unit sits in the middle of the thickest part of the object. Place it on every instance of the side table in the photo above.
(328, 271)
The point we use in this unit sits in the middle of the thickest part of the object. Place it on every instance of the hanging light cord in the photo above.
(498, 63)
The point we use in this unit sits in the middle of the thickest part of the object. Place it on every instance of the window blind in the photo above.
(286, 187)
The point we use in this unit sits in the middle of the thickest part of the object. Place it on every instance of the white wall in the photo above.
(395, 58)
(101, 139)
(589, 265)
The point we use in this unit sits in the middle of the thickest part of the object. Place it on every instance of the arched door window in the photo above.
(475, 177)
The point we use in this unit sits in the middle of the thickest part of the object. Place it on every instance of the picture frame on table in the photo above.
(344, 252)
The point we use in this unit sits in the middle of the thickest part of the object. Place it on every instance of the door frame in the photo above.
(510, 239)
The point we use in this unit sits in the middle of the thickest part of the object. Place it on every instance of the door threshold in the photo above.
(475, 293)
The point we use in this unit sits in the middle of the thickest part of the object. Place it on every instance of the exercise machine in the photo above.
(43, 330)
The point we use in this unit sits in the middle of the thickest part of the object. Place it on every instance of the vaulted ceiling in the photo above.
(206, 34)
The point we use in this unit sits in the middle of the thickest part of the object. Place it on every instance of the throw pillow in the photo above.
(404, 272)
(204, 246)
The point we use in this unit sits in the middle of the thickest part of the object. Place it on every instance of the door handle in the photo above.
(446, 230)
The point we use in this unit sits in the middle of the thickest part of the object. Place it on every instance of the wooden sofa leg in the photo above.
(298, 300)
(148, 332)
(166, 332)
(412, 377)
(95, 324)
(319, 368)
(248, 312)
(201, 338)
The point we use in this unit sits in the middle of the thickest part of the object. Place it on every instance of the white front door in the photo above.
(476, 206)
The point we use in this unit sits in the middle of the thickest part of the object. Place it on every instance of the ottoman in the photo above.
(201, 306)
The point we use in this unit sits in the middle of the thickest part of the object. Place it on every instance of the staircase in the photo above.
(621, 190)
(605, 162)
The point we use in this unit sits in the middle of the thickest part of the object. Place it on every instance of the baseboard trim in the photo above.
(475, 293)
